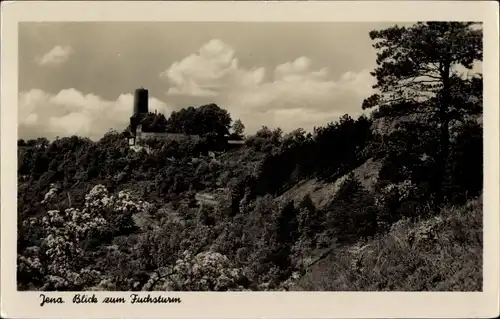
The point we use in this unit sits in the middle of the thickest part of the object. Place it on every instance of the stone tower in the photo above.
(140, 109)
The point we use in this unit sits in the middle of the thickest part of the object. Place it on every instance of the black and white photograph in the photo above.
(352, 161)
(241, 156)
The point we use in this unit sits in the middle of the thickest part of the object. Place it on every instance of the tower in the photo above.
(141, 101)
(140, 109)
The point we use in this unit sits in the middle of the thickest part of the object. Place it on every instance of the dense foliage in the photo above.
(204, 120)
(101, 215)
(417, 74)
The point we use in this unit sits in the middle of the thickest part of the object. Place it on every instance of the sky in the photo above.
(79, 77)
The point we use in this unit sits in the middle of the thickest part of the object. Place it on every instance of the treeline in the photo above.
(204, 120)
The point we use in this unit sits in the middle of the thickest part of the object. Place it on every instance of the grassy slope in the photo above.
(321, 192)
(442, 253)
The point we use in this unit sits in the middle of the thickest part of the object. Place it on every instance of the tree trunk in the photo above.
(444, 138)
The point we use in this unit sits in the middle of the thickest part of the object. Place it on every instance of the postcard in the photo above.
(246, 159)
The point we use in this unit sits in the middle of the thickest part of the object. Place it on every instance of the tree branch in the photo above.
(159, 278)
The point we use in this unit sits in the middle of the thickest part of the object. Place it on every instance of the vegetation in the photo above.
(100, 215)
(437, 254)
(417, 74)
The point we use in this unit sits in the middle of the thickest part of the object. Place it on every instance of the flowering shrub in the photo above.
(51, 194)
(68, 264)
(117, 209)
(206, 271)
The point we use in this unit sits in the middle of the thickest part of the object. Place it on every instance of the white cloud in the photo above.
(57, 55)
(210, 71)
(297, 95)
(71, 112)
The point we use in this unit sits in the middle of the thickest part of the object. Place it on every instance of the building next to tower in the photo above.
(141, 111)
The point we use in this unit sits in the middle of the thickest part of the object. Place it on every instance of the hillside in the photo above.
(441, 253)
(322, 192)
(274, 214)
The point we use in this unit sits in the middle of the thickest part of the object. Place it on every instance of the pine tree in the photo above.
(418, 76)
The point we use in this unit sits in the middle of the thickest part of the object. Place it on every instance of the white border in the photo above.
(257, 304)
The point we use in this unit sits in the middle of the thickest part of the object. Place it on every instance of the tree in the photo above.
(154, 122)
(213, 119)
(181, 121)
(238, 127)
(418, 77)
(205, 120)
(309, 219)
(352, 214)
(264, 132)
